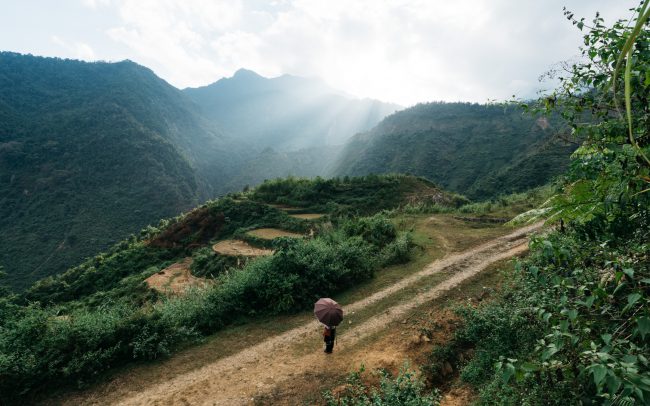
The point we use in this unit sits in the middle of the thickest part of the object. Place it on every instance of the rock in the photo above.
(426, 339)
(403, 321)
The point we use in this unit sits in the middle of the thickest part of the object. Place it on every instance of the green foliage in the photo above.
(406, 389)
(510, 204)
(572, 328)
(206, 263)
(480, 151)
(575, 327)
(610, 172)
(377, 230)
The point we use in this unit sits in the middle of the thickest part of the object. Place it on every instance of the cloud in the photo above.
(95, 3)
(397, 50)
(74, 49)
(173, 37)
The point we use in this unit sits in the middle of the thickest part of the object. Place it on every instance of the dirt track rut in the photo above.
(238, 378)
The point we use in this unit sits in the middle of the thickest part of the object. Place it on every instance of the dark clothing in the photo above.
(329, 335)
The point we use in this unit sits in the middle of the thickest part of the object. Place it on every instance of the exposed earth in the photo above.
(239, 248)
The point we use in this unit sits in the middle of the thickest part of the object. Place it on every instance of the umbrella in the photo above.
(328, 312)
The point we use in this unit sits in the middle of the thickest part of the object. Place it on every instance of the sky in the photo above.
(401, 51)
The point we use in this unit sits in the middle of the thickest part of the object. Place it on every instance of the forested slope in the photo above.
(90, 152)
(477, 150)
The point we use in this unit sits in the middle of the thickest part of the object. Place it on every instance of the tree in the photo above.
(608, 109)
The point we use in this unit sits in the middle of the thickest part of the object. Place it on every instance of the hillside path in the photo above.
(239, 378)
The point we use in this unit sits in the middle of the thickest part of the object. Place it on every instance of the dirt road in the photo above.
(256, 370)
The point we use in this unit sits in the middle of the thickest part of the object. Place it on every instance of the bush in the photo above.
(407, 389)
(573, 328)
(398, 251)
(206, 263)
(376, 230)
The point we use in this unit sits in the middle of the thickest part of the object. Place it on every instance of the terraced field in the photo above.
(240, 249)
(273, 233)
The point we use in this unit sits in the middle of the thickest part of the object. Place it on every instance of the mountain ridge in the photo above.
(466, 148)
(290, 112)
(90, 152)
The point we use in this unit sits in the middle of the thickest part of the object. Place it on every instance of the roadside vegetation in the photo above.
(573, 325)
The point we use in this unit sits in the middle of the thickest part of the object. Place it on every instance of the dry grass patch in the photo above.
(176, 279)
(272, 233)
(307, 216)
(239, 248)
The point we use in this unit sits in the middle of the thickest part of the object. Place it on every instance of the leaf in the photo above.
(629, 272)
(613, 383)
(549, 352)
(643, 324)
(647, 78)
(507, 372)
(619, 287)
(529, 367)
(599, 372)
(632, 298)
(607, 338)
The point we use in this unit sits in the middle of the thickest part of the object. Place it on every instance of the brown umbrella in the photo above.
(328, 312)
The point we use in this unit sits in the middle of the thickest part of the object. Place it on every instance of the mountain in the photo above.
(480, 151)
(90, 152)
(270, 164)
(287, 112)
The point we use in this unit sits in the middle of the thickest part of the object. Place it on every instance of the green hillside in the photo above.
(271, 163)
(480, 151)
(109, 311)
(90, 152)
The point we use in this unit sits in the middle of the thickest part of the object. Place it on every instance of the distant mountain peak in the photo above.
(246, 73)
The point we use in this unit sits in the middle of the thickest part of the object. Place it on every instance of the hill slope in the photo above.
(271, 164)
(109, 310)
(287, 112)
(477, 150)
(90, 152)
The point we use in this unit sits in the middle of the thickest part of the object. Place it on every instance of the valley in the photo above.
(73, 185)
(190, 233)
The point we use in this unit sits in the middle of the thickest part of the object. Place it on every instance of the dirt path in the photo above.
(239, 378)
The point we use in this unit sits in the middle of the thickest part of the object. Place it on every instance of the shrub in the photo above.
(407, 389)
(377, 230)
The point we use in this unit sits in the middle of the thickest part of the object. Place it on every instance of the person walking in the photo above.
(329, 336)
(330, 314)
